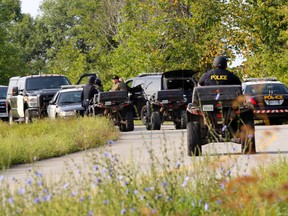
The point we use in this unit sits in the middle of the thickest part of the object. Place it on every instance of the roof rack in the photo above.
(149, 74)
(71, 86)
(260, 79)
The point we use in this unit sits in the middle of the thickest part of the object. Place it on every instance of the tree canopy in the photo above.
(128, 37)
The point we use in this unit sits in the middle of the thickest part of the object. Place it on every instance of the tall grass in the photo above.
(113, 187)
(25, 143)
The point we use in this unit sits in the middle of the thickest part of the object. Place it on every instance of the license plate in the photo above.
(273, 102)
(164, 101)
(108, 103)
(208, 107)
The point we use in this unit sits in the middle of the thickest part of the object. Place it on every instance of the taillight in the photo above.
(252, 100)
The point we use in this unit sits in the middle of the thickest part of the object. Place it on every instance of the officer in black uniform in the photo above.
(219, 75)
(88, 93)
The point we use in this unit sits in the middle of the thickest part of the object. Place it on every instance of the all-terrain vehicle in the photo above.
(219, 114)
(116, 106)
(169, 99)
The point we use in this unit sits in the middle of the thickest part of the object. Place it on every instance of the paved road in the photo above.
(168, 143)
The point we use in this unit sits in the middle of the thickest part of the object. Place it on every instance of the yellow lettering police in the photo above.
(218, 77)
(271, 97)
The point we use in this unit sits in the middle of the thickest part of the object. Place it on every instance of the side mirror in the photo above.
(15, 91)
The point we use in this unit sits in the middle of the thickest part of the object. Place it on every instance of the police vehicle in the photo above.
(269, 99)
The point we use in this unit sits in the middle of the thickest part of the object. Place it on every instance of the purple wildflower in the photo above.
(36, 200)
(38, 173)
(21, 191)
(106, 202)
(10, 200)
(206, 207)
(96, 167)
(66, 185)
(28, 181)
(164, 184)
(106, 154)
(123, 211)
(90, 213)
(73, 194)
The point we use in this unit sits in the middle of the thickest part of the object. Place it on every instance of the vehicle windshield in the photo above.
(267, 88)
(70, 97)
(3, 92)
(49, 82)
(184, 84)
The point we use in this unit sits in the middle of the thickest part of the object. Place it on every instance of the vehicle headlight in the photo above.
(67, 113)
(32, 101)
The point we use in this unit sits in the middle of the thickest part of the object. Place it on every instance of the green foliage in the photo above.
(46, 138)
(131, 37)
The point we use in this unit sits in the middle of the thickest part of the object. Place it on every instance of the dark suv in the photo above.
(29, 96)
(269, 99)
(164, 97)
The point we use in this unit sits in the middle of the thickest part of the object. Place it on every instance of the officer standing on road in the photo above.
(219, 75)
(88, 93)
(118, 85)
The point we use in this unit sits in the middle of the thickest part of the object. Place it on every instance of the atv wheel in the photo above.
(155, 121)
(122, 127)
(130, 121)
(247, 135)
(194, 139)
(183, 123)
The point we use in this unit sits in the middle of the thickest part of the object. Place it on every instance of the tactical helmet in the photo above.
(91, 79)
(98, 82)
(220, 61)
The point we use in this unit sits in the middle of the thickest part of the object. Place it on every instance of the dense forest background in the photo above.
(128, 37)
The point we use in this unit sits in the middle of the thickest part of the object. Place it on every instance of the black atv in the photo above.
(166, 105)
(116, 106)
(219, 114)
(167, 99)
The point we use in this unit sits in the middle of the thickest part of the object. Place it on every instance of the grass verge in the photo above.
(25, 143)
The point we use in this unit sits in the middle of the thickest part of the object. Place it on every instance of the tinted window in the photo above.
(184, 84)
(35, 83)
(70, 97)
(3, 92)
(267, 88)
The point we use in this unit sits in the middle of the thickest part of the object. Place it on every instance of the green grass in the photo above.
(25, 143)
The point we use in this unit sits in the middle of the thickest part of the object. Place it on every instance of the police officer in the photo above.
(98, 85)
(219, 75)
(118, 85)
(88, 93)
